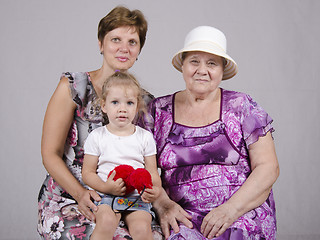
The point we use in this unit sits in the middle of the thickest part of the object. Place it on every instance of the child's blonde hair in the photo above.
(125, 80)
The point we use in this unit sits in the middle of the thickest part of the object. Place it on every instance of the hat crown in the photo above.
(206, 34)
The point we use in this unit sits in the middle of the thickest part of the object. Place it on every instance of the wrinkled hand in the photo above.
(218, 220)
(170, 213)
(117, 187)
(150, 194)
(85, 203)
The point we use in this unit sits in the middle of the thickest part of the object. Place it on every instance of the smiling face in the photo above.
(120, 48)
(120, 106)
(202, 72)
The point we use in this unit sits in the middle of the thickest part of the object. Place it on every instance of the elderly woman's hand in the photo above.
(218, 220)
(170, 213)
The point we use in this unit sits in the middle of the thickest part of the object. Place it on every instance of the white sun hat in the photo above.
(211, 40)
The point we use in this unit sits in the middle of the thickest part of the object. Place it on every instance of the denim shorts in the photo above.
(121, 203)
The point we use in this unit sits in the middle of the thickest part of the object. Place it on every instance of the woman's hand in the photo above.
(170, 213)
(85, 204)
(218, 220)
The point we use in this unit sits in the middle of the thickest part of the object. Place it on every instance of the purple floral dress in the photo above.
(58, 215)
(202, 167)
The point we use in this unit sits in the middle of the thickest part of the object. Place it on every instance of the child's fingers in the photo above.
(149, 191)
(146, 200)
(113, 173)
(147, 197)
(120, 182)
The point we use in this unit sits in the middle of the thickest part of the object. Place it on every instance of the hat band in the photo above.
(204, 44)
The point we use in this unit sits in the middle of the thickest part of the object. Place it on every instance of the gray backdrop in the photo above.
(275, 43)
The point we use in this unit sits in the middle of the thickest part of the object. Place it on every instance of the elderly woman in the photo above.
(215, 150)
(65, 203)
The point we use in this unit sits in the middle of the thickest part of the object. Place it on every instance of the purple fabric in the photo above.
(202, 167)
(188, 234)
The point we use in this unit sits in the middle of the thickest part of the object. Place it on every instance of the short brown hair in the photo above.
(121, 16)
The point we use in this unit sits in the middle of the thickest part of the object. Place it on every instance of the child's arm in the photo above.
(91, 178)
(150, 195)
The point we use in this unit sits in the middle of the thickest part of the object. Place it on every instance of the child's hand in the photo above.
(150, 194)
(116, 187)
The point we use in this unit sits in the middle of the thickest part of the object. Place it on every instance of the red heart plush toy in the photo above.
(138, 178)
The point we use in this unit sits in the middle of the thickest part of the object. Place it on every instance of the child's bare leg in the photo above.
(106, 223)
(139, 225)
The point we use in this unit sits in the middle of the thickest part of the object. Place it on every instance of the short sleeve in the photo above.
(255, 121)
(91, 145)
(150, 144)
(78, 86)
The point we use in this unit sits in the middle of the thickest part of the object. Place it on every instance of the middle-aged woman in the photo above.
(65, 203)
(215, 150)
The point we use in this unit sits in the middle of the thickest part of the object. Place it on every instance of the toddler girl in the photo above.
(117, 143)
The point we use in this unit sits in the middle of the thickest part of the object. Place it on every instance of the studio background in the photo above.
(275, 44)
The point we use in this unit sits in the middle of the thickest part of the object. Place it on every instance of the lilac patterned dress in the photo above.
(58, 215)
(202, 167)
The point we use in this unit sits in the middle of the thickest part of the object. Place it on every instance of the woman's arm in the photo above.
(56, 125)
(255, 190)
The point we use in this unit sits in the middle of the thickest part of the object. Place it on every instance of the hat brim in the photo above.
(230, 69)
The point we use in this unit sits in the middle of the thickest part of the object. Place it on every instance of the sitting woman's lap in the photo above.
(59, 218)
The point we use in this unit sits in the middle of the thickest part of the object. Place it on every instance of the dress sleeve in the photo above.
(255, 121)
(78, 86)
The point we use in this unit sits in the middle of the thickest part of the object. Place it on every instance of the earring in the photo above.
(101, 53)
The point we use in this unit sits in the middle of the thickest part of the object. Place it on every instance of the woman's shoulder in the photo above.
(163, 104)
(230, 94)
(235, 99)
(164, 100)
(80, 86)
(78, 80)
(76, 77)
(240, 103)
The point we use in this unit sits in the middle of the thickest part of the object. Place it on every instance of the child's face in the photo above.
(120, 106)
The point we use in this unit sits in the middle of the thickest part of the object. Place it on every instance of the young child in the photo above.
(120, 142)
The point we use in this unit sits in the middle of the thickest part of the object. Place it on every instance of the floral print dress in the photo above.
(202, 167)
(58, 214)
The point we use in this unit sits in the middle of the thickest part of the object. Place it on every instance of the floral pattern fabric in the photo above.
(202, 167)
(58, 214)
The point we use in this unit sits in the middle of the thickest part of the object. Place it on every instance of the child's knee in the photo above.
(142, 227)
(141, 231)
(139, 225)
(106, 218)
